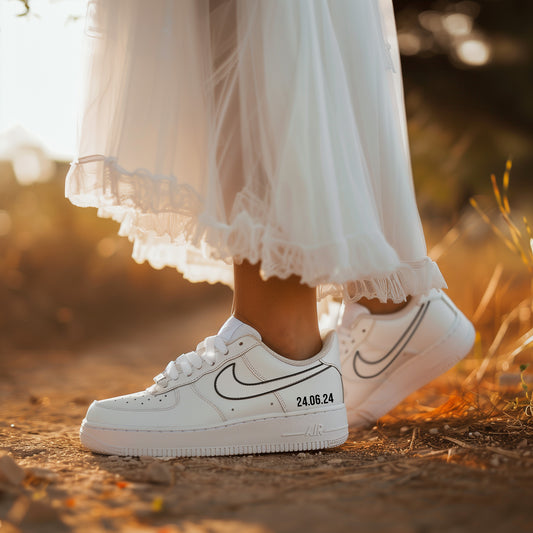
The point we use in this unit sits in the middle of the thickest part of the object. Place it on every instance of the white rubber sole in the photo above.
(415, 373)
(314, 430)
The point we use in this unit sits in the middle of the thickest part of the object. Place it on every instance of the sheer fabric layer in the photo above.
(243, 129)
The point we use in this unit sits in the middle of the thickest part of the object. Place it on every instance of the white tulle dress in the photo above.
(267, 130)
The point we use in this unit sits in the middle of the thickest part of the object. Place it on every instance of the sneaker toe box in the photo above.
(130, 411)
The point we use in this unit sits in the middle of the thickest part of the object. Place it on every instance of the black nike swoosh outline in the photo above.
(325, 367)
(409, 332)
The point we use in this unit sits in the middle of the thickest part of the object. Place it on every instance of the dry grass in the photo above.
(492, 280)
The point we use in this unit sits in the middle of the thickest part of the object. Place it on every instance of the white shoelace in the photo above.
(206, 351)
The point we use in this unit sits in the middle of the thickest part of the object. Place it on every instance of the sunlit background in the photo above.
(41, 80)
(65, 276)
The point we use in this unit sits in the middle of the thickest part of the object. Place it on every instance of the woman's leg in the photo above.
(282, 310)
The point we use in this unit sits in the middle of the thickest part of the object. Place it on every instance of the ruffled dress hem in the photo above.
(168, 224)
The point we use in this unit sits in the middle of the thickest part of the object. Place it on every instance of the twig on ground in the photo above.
(413, 436)
(458, 442)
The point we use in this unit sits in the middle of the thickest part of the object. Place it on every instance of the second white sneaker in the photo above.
(384, 358)
(232, 395)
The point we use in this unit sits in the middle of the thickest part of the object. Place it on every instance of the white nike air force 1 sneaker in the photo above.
(384, 358)
(232, 395)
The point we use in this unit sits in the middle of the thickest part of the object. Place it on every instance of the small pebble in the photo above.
(43, 474)
(302, 454)
(477, 434)
(12, 425)
(157, 472)
(495, 460)
(41, 512)
(10, 471)
(403, 429)
(334, 461)
(446, 427)
(522, 443)
(526, 453)
(434, 431)
(27, 511)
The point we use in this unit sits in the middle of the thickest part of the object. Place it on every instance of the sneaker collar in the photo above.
(234, 328)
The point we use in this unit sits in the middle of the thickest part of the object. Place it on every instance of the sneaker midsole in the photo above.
(319, 426)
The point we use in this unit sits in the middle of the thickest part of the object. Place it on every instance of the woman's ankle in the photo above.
(283, 311)
(290, 339)
(293, 339)
(383, 308)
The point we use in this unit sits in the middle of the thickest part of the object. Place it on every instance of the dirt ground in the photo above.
(457, 468)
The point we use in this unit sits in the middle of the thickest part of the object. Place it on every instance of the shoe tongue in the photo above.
(352, 311)
(234, 328)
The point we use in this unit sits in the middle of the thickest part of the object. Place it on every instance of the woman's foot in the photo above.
(386, 357)
(232, 395)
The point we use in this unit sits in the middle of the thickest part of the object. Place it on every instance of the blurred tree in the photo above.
(468, 82)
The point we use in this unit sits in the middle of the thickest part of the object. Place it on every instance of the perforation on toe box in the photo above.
(141, 401)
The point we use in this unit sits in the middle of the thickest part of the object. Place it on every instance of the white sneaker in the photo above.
(384, 358)
(232, 395)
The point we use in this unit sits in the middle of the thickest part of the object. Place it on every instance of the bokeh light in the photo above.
(31, 165)
(457, 24)
(474, 52)
(431, 20)
(410, 43)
